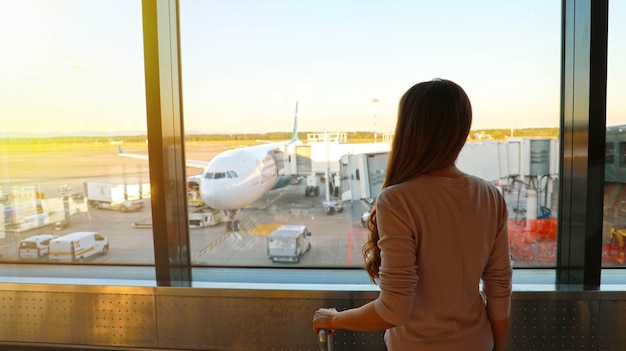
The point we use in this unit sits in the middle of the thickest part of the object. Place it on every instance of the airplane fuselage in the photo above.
(236, 178)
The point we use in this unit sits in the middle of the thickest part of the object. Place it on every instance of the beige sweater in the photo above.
(438, 238)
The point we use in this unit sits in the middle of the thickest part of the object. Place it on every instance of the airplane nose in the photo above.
(211, 196)
(220, 195)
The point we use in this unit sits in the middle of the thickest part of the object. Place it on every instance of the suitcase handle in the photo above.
(325, 340)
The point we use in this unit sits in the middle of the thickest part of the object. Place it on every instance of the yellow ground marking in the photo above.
(211, 245)
(260, 229)
(264, 229)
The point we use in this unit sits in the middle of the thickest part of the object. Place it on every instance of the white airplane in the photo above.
(236, 178)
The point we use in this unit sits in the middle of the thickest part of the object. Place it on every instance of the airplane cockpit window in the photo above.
(220, 175)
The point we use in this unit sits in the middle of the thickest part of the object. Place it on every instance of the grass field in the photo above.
(48, 166)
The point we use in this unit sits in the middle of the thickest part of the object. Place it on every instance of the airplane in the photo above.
(238, 177)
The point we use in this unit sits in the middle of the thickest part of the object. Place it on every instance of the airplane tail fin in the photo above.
(119, 149)
(294, 133)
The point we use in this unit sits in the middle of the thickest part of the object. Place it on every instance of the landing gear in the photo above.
(232, 225)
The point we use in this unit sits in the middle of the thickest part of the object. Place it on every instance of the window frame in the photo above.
(582, 142)
(582, 150)
(582, 145)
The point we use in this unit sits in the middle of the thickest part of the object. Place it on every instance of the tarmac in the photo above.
(336, 238)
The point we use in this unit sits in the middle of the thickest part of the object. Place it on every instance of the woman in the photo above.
(434, 234)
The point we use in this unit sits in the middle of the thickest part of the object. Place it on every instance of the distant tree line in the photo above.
(72, 140)
(495, 134)
(503, 134)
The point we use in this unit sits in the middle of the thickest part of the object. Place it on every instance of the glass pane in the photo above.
(250, 68)
(73, 95)
(614, 229)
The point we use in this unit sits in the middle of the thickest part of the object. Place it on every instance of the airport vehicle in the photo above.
(312, 186)
(193, 191)
(332, 205)
(288, 243)
(35, 247)
(238, 177)
(112, 195)
(204, 217)
(332, 202)
(78, 246)
(369, 203)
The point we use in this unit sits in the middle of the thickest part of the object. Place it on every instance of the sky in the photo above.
(76, 66)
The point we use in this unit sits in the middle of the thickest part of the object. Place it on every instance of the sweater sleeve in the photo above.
(398, 270)
(497, 276)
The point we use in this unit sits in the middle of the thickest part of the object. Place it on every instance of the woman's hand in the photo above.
(323, 319)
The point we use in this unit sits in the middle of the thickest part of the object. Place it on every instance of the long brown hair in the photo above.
(434, 119)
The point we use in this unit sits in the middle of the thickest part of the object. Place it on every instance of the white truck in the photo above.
(35, 247)
(288, 243)
(118, 196)
(77, 247)
(200, 217)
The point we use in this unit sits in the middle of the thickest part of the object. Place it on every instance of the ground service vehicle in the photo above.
(113, 195)
(369, 204)
(288, 243)
(78, 246)
(203, 217)
(35, 247)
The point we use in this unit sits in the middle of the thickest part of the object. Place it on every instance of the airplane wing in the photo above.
(188, 162)
(196, 163)
(265, 141)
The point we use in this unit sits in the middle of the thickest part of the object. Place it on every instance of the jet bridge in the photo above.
(319, 160)
(363, 175)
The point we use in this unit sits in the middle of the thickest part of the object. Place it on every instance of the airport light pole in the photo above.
(375, 104)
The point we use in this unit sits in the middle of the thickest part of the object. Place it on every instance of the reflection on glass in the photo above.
(321, 165)
(72, 97)
(614, 229)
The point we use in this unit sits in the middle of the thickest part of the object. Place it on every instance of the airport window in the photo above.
(73, 102)
(251, 69)
(248, 72)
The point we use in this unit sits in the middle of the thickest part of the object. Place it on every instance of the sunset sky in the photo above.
(77, 66)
